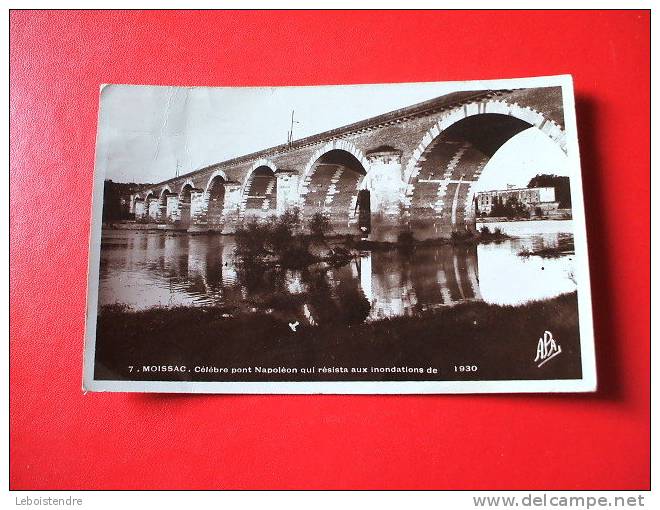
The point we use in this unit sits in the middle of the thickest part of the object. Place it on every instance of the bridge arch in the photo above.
(331, 182)
(261, 162)
(344, 145)
(137, 207)
(161, 215)
(187, 182)
(215, 193)
(440, 176)
(185, 196)
(162, 196)
(136, 198)
(259, 190)
(150, 206)
(213, 179)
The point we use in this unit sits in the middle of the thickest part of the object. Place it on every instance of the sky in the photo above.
(522, 157)
(147, 132)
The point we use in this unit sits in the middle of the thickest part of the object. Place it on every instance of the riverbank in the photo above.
(406, 240)
(501, 341)
(557, 215)
(132, 225)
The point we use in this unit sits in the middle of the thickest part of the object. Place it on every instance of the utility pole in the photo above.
(289, 140)
(176, 172)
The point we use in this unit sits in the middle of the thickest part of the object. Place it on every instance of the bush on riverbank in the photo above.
(280, 241)
(319, 225)
(273, 241)
(500, 340)
(486, 234)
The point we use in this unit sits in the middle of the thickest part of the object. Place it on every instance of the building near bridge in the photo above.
(531, 199)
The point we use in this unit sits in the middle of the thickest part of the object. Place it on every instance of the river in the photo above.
(145, 269)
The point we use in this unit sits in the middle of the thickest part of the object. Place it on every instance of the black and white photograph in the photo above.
(386, 238)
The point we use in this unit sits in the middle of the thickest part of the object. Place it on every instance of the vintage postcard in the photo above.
(391, 238)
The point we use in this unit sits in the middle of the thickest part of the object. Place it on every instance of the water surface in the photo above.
(145, 269)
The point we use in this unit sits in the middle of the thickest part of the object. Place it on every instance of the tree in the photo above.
(510, 208)
(498, 208)
(116, 199)
(319, 225)
(561, 184)
(515, 209)
(274, 241)
(280, 232)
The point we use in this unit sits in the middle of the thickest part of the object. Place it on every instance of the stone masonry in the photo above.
(419, 165)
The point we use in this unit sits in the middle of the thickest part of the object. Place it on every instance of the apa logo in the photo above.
(546, 349)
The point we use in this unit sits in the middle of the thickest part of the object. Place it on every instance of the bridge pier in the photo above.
(231, 212)
(469, 212)
(172, 209)
(140, 211)
(199, 204)
(210, 213)
(452, 211)
(287, 190)
(162, 208)
(385, 185)
(152, 210)
(183, 218)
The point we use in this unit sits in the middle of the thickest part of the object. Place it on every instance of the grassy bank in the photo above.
(500, 341)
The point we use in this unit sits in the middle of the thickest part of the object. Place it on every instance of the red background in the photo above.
(61, 438)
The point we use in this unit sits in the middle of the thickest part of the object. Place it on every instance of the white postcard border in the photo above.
(588, 382)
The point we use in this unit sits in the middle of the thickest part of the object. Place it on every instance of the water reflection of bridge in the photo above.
(200, 266)
(397, 285)
(393, 283)
(146, 269)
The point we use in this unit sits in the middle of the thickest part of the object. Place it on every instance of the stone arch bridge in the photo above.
(412, 169)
